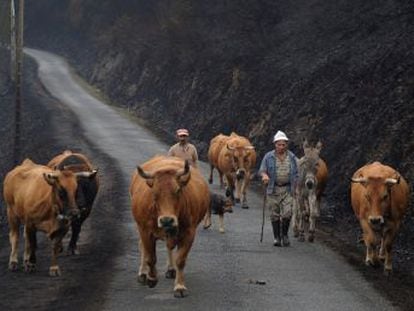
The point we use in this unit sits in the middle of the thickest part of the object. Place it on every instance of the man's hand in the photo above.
(265, 179)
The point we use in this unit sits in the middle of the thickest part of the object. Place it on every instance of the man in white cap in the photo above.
(279, 171)
(183, 149)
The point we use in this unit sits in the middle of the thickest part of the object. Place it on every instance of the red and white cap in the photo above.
(182, 132)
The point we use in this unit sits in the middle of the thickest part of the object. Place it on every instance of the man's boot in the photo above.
(285, 230)
(276, 233)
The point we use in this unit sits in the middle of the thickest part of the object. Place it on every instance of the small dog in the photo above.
(219, 205)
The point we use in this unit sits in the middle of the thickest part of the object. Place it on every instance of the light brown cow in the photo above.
(216, 144)
(379, 197)
(313, 175)
(169, 200)
(41, 199)
(235, 161)
(86, 192)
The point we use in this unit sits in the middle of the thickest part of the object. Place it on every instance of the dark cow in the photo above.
(219, 205)
(169, 200)
(379, 197)
(86, 192)
(41, 199)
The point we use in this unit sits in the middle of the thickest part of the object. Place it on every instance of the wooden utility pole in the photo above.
(18, 82)
(12, 41)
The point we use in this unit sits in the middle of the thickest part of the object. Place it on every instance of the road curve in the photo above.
(220, 266)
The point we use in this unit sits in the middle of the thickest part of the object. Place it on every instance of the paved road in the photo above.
(302, 277)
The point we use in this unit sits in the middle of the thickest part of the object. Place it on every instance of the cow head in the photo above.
(166, 186)
(378, 196)
(64, 185)
(241, 159)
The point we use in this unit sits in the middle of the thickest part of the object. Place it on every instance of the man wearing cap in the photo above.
(279, 172)
(183, 149)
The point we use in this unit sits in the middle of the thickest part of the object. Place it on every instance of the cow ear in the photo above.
(50, 178)
(184, 179)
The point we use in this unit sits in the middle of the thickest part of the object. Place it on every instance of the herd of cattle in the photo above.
(170, 198)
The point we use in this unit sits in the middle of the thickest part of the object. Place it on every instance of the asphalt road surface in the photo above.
(222, 269)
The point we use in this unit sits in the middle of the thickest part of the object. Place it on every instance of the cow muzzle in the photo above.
(240, 174)
(376, 222)
(169, 224)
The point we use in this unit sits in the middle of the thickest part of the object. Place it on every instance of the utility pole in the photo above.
(18, 82)
(12, 41)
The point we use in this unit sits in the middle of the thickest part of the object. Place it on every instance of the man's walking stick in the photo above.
(263, 214)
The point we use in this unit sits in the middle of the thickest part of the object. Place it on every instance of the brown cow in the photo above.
(218, 205)
(235, 161)
(216, 144)
(313, 175)
(379, 197)
(41, 199)
(86, 192)
(169, 200)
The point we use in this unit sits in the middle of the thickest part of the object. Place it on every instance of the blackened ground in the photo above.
(48, 129)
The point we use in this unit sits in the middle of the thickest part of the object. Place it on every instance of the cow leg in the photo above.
(150, 257)
(370, 244)
(30, 249)
(171, 270)
(243, 190)
(207, 219)
(387, 245)
(76, 228)
(221, 222)
(143, 268)
(184, 247)
(13, 238)
(221, 179)
(54, 269)
(210, 179)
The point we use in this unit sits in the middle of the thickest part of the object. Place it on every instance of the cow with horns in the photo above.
(42, 199)
(379, 197)
(169, 200)
(235, 159)
(86, 192)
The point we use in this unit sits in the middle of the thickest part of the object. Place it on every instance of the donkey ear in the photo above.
(305, 144)
(319, 145)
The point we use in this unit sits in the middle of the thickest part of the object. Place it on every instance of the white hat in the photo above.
(280, 136)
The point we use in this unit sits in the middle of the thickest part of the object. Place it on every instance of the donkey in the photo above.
(313, 174)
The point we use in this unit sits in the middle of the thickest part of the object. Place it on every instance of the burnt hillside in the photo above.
(340, 71)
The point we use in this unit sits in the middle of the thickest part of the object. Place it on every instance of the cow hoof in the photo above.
(221, 230)
(152, 283)
(72, 251)
(54, 271)
(207, 226)
(371, 263)
(245, 206)
(29, 267)
(13, 266)
(142, 279)
(387, 272)
(311, 238)
(180, 291)
(170, 274)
